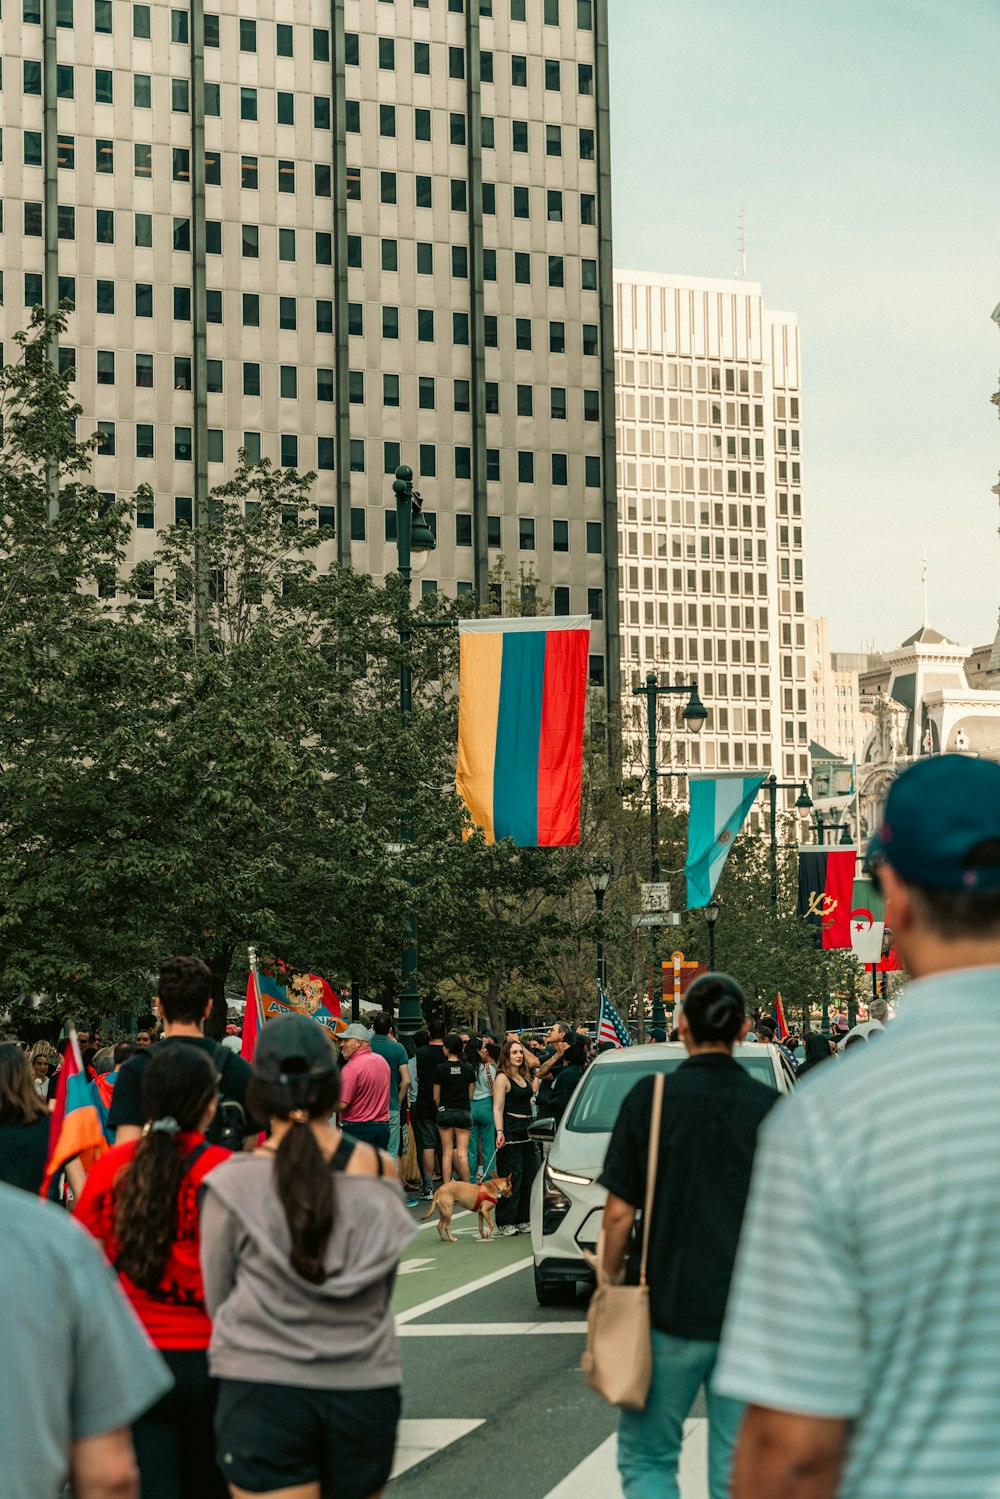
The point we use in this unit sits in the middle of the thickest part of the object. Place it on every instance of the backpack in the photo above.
(229, 1126)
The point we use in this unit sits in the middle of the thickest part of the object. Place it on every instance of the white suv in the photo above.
(567, 1201)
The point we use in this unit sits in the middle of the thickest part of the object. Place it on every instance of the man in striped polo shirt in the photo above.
(875, 1204)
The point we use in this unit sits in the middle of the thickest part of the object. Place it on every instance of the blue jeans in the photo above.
(368, 1130)
(393, 1145)
(482, 1130)
(649, 1441)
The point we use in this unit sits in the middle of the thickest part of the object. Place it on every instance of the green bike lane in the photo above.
(431, 1269)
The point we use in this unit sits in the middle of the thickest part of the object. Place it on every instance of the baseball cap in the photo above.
(290, 1047)
(658, 1033)
(937, 815)
(355, 1032)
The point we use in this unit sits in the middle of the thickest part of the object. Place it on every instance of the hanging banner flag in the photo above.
(522, 690)
(826, 885)
(718, 809)
(866, 935)
(869, 903)
(301, 994)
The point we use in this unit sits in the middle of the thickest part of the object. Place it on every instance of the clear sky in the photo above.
(862, 137)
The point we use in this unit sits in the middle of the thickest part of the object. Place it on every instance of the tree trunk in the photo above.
(494, 1009)
(219, 963)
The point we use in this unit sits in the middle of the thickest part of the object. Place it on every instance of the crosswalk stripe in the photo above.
(597, 1476)
(418, 1440)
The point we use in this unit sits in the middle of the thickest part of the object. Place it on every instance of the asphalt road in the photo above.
(493, 1398)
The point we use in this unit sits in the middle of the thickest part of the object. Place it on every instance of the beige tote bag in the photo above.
(618, 1359)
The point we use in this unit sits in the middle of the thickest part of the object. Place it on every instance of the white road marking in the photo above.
(597, 1476)
(450, 1296)
(408, 1266)
(418, 1440)
(491, 1329)
(458, 1213)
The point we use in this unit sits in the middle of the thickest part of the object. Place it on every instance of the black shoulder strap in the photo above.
(226, 1054)
(342, 1154)
(381, 1163)
(194, 1157)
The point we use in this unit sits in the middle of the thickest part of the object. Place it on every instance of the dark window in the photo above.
(590, 338)
(213, 237)
(460, 327)
(326, 516)
(463, 463)
(518, 71)
(213, 168)
(321, 179)
(521, 203)
(556, 270)
(105, 226)
(553, 140)
(594, 537)
(321, 46)
(588, 275)
(180, 98)
(106, 439)
(181, 164)
(211, 30)
(251, 309)
(423, 192)
(519, 131)
(179, 26)
(557, 338)
(456, 129)
(489, 197)
(456, 62)
(592, 406)
(286, 108)
(286, 244)
(462, 395)
(357, 455)
(288, 382)
(595, 603)
(31, 78)
(248, 103)
(353, 191)
(557, 403)
(525, 400)
(522, 267)
(140, 20)
(289, 449)
(104, 90)
(560, 600)
(592, 472)
(560, 465)
(287, 317)
(427, 460)
(525, 533)
(387, 187)
(425, 258)
(387, 119)
(491, 398)
(65, 85)
(390, 390)
(560, 535)
(522, 333)
(213, 307)
(286, 176)
(526, 468)
(251, 379)
(584, 15)
(588, 208)
(491, 330)
(422, 124)
(391, 456)
(486, 67)
(182, 234)
(390, 322)
(324, 249)
(104, 156)
(493, 531)
(352, 49)
(554, 206)
(324, 453)
(585, 77)
(425, 392)
(386, 53)
(458, 195)
(459, 261)
(324, 385)
(105, 296)
(425, 325)
(143, 299)
(33, 219)
(248, 35)
(357, 523)
(586, 145)
(182, 304)
(283, 40)
(390, 255)
(144, 439)
(463, 530)
(105, 367)
(552, 80)
(32, 288)
(355, 318)
(352, 110)
(421, 57)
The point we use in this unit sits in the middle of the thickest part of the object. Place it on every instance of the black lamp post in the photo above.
(803, 803)
(600, 879)
(695, 714)
(414, 544)
(711, 916)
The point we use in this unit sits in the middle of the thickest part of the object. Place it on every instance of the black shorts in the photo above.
(454, 1119)
(427, 1131)
(274, 1436)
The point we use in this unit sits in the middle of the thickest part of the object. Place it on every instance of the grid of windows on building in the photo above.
(711, 537)
(126, 240)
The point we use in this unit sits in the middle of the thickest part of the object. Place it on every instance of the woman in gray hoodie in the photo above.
(299, 1244)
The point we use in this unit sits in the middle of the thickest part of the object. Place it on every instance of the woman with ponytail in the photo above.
(141, 1201)
(299, 1245)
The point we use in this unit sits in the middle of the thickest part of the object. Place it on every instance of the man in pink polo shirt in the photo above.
(364, 1089)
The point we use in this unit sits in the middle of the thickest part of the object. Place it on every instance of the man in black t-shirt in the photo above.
(712, 1110)
(424, 1113)
(184, 1003)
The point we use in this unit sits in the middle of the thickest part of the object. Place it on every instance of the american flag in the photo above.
(610, 1026)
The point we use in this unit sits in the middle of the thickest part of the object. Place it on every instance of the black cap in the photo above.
(291, 1047)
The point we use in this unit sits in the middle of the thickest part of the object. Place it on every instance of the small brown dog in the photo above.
(481, 1199)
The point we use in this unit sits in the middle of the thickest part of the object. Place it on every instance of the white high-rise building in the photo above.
(710, 522)
(345, 235)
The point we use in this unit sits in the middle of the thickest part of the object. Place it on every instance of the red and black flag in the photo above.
(826, 885)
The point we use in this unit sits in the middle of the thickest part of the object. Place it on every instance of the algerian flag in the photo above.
(719, 806)
(866, 935)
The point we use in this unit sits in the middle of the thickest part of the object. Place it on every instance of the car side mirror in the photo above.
(542, 1129)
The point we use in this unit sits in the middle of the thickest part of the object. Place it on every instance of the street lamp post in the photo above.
(695, 714)
(803, 803)
(600, 879)
(414, 544)
(711, 916)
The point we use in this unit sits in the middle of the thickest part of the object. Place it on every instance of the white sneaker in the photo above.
(506, 1231)
(522, 1228)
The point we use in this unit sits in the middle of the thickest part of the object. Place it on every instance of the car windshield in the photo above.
(606, 1088)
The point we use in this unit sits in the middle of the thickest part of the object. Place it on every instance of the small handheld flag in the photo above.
(75, 1127)
(522, 691)
(610, 1025)
(779, 1019)
(718, 809)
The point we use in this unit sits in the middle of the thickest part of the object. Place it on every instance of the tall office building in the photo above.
(710, 538)
(346, 236)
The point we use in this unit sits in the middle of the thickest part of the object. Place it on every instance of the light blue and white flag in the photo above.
(719, 806)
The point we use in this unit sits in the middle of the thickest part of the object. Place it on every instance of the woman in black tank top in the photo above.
(513, 1093)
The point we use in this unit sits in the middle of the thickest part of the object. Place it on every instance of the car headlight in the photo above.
(555, 1203)
(567, 1176)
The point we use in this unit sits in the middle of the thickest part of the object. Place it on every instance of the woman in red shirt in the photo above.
(141, 1202)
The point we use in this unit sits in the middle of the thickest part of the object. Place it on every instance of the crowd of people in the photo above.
(216, 1315)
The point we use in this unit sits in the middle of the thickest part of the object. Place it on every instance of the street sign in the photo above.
(655, 897)
(657, 918)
